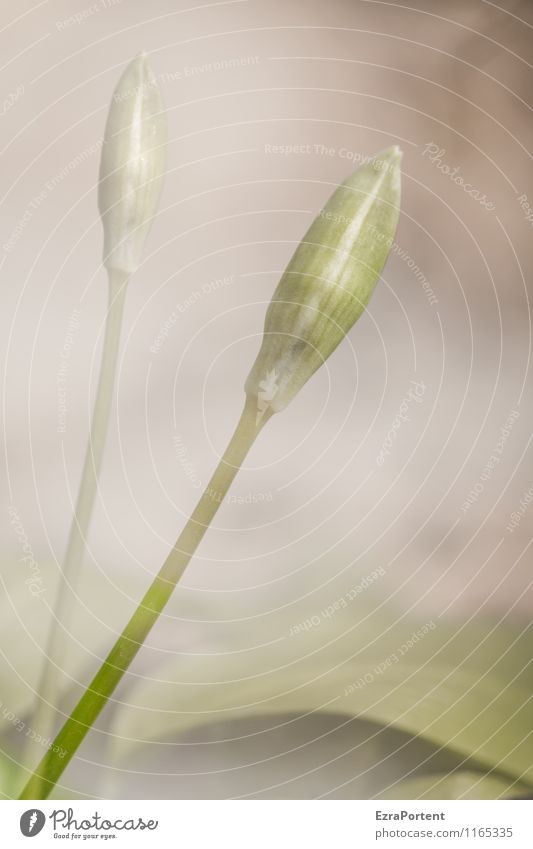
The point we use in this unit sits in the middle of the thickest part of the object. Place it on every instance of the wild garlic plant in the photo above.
(132, 169)
(322, 293)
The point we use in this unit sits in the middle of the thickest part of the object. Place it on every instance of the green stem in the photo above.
(45, 711)
(134, 634)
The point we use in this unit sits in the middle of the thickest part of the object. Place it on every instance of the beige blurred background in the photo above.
(270, 105)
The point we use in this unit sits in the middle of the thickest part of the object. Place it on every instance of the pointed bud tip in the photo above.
(145, 66)
(393, 152)
(137, 72)
(391, 155)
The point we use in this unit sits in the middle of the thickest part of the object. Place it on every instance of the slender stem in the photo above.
(134, 634)
(45, 711)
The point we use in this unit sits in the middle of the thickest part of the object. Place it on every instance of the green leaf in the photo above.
(478, 718)
(467, 691)
(9, 777)
(24, 626)
(459, 785)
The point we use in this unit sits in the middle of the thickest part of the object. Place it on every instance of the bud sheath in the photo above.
(132, 165)
(328, 281)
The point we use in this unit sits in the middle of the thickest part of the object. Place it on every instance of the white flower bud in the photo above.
(132, 165)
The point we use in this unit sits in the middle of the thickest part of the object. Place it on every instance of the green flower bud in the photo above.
(132, 165)
(328, 282)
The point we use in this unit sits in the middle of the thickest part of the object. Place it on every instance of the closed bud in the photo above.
(132, 165)
(328, 282)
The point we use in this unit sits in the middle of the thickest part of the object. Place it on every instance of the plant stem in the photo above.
(134, 634)
(45, 711)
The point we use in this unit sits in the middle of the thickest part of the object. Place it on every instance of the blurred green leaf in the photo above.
(476, 717)
(465, 688)
(459, 785)
(9, 777)
(24, 625)
(466, 692)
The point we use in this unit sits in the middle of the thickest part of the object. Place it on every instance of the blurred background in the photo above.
(392, 496)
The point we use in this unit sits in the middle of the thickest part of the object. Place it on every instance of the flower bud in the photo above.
(132, 165)
(328, 282)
